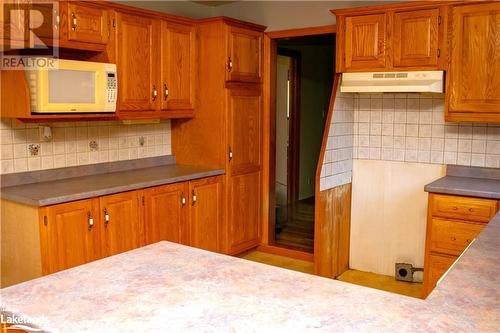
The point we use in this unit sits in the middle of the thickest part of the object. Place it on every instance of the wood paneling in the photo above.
(166, 213)
(416, 35)
(332, 231)
(365, 42)
(178, 66)
(473, 86)
(206, 212)
(123, 230)
(70, 235)
(244, 62)
(137, 62)
(87, 24)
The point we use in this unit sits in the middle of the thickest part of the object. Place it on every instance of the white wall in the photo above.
(388, 218)
(181, 8)
(283, 64)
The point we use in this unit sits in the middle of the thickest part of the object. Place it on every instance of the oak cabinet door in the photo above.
(70, 235)
(473, 83)
(123, 227)
(87, 24)
(435, 267)
(205, 214)
(244, 63)
(245, 130)
(416, 38)
(365, 39)
(178, 65)
(137, 61)
(244, 212)
(166, 213)
(245, 134)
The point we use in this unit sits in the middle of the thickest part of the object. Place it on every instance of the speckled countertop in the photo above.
(70, 189)
(170, 287)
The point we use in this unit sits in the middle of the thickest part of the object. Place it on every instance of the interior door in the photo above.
(178, 66)
(244, 55)
(70, 235)
(123, 224)
(87, 24)
(245, 132)
(473, 83)
(365, 39)
(205, 215)
(166, 210)
(416, 38)
(137, 62)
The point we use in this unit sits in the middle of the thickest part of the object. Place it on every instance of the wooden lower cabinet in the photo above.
(121, 222)
(452, 224)
(69, 235)
(165, 213)
(205, 213)
(39, 241)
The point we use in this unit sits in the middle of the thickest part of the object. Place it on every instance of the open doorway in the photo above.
(304, 79)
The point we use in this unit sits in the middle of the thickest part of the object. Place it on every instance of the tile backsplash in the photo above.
(79, 143)
(408, 128)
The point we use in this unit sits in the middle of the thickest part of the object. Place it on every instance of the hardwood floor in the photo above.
(295, 227)
(280, 261)
(382, 282)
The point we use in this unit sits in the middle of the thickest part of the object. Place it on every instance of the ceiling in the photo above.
(215, 3)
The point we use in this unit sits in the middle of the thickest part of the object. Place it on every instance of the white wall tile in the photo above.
(70, 144)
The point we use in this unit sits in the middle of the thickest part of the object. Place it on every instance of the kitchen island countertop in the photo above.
(171, 287)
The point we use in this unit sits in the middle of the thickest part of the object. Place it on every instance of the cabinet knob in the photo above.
(183, 199)
(90, 220)
(165, 91)
(106, 217)
(73, 27)
(193, 196)
(230, 153)
(229, 65)
(155, 93)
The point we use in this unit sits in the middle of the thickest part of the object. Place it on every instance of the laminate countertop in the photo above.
(467, 186)
(170, 287)
(70, 189)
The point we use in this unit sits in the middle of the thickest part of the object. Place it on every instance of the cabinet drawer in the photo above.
(452, 237)
(463, 208)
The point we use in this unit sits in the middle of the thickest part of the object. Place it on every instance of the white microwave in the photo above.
(69, 86)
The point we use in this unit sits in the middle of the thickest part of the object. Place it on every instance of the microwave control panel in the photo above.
(111, 87)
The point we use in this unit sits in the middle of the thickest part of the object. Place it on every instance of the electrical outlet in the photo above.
(93, 145)
(34, 149)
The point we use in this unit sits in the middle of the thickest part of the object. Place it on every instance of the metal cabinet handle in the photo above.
(106, 217)
(165, 91)
(90, 220)
(183, 199)
(193, 195)
(155, 93)
(73, 16)
(57, 19)
(230, 154)
(229, 65)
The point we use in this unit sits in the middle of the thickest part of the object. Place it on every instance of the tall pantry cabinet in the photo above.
(227, 130)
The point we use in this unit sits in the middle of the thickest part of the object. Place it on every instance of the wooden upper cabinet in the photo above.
(245, 130)
(416, 37)
(137, 61)
(473, 83)
(205, 216)
(178, 66)
(87, 23)
(70, 235)
(166, 213)
(123, 224)
(244, 63)
(365, 42)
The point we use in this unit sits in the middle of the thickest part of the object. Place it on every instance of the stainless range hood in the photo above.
(424, 81)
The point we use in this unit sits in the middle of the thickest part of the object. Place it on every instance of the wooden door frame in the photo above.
(269, 134)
